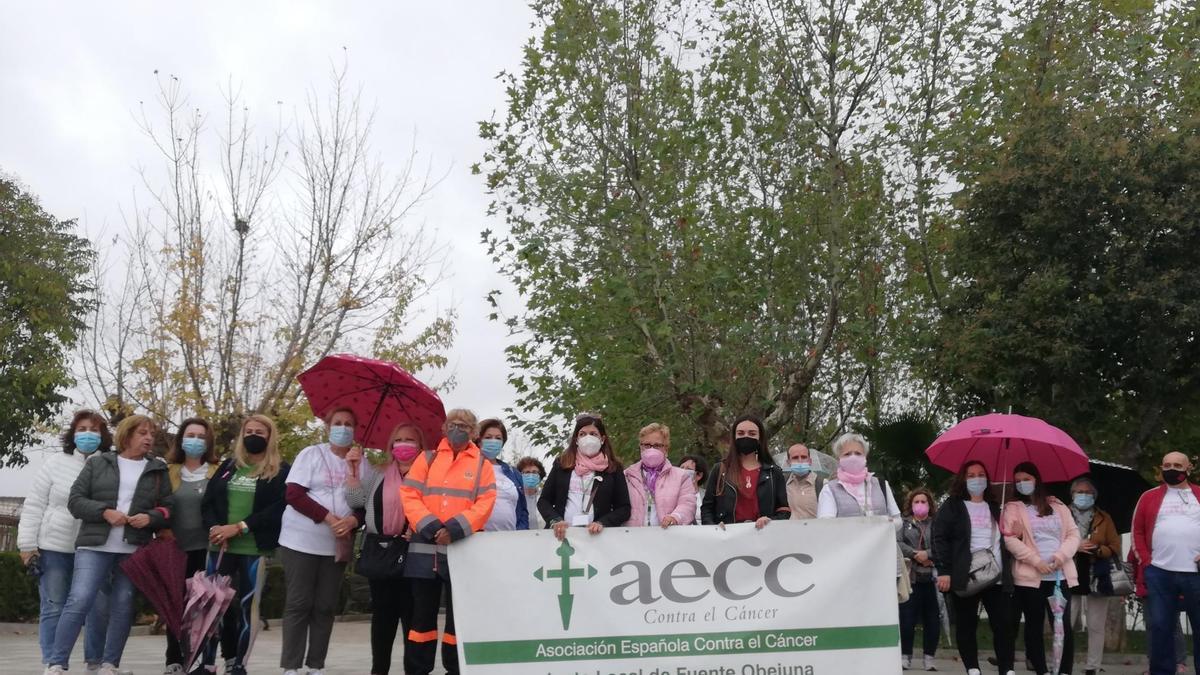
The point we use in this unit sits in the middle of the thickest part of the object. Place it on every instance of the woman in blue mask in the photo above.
(47, 530)
(532, 474)
(1099, 549)
(510, 511)
(191, 461)
(966, 537)
(317, 539)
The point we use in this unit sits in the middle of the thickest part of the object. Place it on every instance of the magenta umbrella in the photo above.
(157, 570)
(381, 394)
(1003, 441)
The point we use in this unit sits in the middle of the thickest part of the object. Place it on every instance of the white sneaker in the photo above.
(53, 670)
(173, 669)
(92, 668)
(906, 661)
(929, 663)
(316, 672)
(290, 672)
(975, 671)
(109, 669)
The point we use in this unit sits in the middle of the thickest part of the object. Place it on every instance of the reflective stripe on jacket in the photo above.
(442, 490)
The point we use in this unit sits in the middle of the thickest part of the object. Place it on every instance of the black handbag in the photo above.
(381, 557)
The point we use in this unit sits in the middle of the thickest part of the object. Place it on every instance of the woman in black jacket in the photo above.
(242, 508)
(747, 486)
(586, 486)
(967, 523)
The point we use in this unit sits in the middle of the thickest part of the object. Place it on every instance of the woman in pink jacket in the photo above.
(659, 494)
(1040, 533)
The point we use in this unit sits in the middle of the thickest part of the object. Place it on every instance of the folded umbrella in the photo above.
(381, 394)
(208, 596)
(157, 570)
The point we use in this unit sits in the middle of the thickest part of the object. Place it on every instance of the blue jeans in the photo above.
(94, 570)
(1163, 589)
(52, 591)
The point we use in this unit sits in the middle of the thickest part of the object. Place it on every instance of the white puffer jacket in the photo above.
(45, 521)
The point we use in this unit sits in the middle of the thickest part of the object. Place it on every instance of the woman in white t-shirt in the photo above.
(316, 541)
(1042, 536)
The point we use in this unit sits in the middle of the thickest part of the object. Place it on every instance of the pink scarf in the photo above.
(393, 508)
(852, 477)
(585, 465)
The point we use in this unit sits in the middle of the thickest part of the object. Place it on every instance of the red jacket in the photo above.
(1144, 517)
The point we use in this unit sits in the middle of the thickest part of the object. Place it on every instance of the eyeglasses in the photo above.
(460, 426)
(654, 446)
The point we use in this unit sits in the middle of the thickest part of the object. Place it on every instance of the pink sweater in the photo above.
(1018, 538)
(674, 495)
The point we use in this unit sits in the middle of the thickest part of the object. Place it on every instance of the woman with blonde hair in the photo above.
(659, 494)
(384, 544)
(317, 540)
(242, 508)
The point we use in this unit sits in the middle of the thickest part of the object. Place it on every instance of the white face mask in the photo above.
(590, 445)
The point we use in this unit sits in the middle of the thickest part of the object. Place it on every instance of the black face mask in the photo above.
(254, 444)
(746, 445)
(1174, 476)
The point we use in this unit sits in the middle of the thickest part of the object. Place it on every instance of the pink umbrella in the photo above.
(208, 596)
(1003, 441)
(381, 394)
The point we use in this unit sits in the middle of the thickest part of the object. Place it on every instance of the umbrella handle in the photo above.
(214, 568)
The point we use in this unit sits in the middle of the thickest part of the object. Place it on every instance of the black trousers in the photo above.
(195, 563)
(1035, 606)
(391, 608)
(966, 613)
(921, 606)
(420, 647)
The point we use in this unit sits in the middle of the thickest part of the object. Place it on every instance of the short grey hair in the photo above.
(846, 439)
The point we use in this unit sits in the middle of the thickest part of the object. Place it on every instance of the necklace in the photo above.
(747, 481)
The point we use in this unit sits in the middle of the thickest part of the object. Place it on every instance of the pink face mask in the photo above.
(403, 451)
(852, 463)
(920, 509)
(652, 457)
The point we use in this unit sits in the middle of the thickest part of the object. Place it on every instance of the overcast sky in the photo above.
(73, 73)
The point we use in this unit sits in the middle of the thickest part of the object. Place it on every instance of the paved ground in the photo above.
(350, 654)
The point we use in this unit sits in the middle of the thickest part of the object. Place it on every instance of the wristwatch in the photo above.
(243, 528)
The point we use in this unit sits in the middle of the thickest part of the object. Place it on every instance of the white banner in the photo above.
(795, 598)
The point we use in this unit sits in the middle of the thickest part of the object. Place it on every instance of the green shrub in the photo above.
(18, 590)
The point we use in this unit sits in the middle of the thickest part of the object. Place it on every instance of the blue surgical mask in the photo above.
(531, 480)
(341, 436)
(1026, 487)
(800, 468)
(194, 447)
(491, 447)
(1084, 501)
(976, 486)
(87, 442)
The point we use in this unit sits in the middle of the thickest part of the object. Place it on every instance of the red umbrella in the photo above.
(381, 394)
(157, 570)
(1004, 441)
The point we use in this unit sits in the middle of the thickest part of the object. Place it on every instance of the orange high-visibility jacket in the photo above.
(442, 490)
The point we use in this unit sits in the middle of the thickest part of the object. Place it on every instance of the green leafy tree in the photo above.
(44, 288)
(700, 216)
(1074, 261)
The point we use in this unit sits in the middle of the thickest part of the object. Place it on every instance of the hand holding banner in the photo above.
(796, 598)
